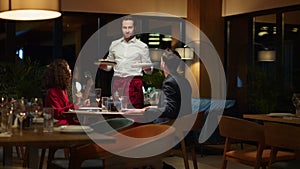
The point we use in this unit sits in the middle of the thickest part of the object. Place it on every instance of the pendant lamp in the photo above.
(29, 10)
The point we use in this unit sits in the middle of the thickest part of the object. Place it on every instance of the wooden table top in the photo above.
(35, 140)
(47, 139)
(289, 119)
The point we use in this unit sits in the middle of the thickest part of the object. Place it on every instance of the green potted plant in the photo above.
(266, 91)
(21, 79)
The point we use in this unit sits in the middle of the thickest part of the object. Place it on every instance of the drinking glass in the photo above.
(104, 101)
(124, 102)
(48, 114)
(98, 95)
(21, 112)
(21, 116)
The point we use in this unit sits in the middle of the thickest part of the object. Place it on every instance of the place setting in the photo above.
(79, 129)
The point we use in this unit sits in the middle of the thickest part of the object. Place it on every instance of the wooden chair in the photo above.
(184, 148)
(103, 127)
(282, 136)
(239, 129)
(159, 135)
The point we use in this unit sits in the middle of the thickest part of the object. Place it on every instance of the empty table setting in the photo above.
(288, 118)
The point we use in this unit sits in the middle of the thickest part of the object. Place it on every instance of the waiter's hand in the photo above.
(147, 69)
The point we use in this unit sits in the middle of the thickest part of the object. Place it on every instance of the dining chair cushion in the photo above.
(250, 155)
(240, 129)
(293, 164)
(91, 160)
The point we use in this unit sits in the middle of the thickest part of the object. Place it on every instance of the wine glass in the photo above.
(22, 115)
(98, 96)
(20, 107)
(35, 111)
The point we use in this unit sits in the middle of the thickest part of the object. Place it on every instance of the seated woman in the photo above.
(57, 79)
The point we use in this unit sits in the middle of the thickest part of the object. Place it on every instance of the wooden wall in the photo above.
(235, 7)
(207, 16)
(174, 7)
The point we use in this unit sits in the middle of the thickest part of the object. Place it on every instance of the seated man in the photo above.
(175, 100)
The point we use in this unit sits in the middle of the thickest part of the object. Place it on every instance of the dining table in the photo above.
(34, 141)
(85, 114)
(288, 118)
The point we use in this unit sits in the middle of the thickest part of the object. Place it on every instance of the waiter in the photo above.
(126, 52)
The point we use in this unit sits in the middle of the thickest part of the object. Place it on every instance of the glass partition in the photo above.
(291, 41)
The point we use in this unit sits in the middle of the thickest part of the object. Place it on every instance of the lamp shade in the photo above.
(29, 10)
(266, 56)
(186, 53)
(155, 54)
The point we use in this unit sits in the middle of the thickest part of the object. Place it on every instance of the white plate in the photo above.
(280, 114)
(90, 108)
(123, 110)
(105, 62)
(142, 65)
(38, 120)
(73, 129)
(41, 120)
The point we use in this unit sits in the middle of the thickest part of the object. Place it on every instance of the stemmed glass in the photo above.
(98, 96)
(22, 114)
(34, 110)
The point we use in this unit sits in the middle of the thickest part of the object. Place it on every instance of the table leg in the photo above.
(33, 160)
(7, 155)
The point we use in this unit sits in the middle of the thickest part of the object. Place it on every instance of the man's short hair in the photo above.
(128, 18)
(172, 59)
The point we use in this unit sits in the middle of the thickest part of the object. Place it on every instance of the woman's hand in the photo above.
(87, 102)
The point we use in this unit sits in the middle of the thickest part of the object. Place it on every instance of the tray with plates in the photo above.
(142, 65)
(73, 129)
(105, 62)
(90, 108)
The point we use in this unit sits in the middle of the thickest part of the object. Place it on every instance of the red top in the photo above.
(58, 99)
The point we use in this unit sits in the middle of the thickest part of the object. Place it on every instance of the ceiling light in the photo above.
(295, 30)
(186, 53)
(264, 28)
(29, 10)
(262, 33)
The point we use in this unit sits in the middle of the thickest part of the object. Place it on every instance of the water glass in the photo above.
(124, 101)
(104, 101)
(48, 114)
(6, 120)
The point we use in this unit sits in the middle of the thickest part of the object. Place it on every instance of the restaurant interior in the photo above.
(255, 44)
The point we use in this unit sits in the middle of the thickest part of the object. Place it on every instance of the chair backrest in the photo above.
(149, 137)
(282, 135)
(110, 125)
(240, 129)
(198, 118)
(146, 131)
